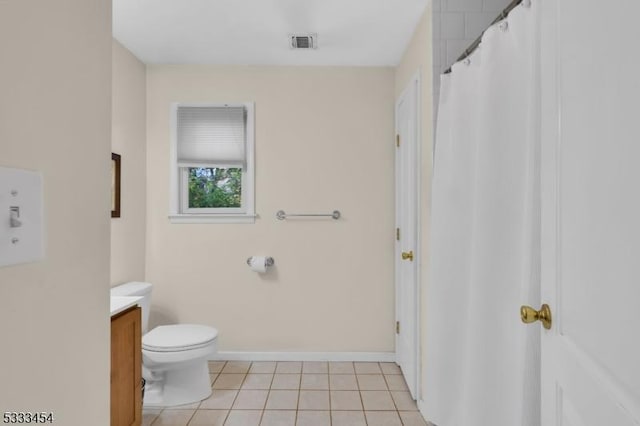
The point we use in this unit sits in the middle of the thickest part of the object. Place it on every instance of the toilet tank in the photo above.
(139, 289)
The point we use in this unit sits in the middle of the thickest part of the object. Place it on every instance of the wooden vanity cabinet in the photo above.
(126, 368)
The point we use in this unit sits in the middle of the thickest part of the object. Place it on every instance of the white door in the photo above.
(591, 212)
(406, 249)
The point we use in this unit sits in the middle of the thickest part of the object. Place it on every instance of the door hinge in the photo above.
(398, 140)
(397, 327)
(397, 234)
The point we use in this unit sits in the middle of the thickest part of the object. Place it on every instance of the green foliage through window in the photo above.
(212, 187)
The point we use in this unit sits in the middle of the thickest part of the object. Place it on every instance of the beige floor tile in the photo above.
(341, 368)
(251, 400)
(313, 400)
(396, 383)
(383, 418)
(412, 418)
(367, 368)
(282, 400)
(174, 418)
(209, 418)
(377, 401)
(313, 418)
(278, 418)
(219, 400)
(371, 382)
(343, 382)
(346, 400)
(315, 381)
(348, 418)
(243, 418)
(263, 367)
(390, 368)
(216, 366)
(290, 367)
(193, 406)
(213, 377)
(257, 381)
(403, 401)
(286, 381)
(229, 381)
(149, 415)
(315, 367)
(236, 367)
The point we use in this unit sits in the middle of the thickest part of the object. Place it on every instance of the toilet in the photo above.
(174, 357)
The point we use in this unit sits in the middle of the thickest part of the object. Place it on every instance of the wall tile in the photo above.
(452, 26)
(455, 49)
(435, 30)
(494, 5)
(476, 23)
(456, 24)
(443, 55)
(436, 69)
(464, 6)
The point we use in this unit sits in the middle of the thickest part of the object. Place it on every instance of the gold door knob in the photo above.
(529, 315)
(407, 255)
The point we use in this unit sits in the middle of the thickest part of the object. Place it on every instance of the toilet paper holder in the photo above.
(268, 261)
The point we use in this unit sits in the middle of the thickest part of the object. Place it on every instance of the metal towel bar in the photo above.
(281, 215)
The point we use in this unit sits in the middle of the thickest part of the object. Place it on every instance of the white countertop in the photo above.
(122, 303)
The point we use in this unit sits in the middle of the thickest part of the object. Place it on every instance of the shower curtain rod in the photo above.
(473, 46)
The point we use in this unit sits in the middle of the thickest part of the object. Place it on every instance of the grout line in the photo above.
(226, 417)
(362, 403)
(237, 394)
(156, 417)
(192, 415)
(264, 406)
(387, 384)
(299, 390)
(329, 395)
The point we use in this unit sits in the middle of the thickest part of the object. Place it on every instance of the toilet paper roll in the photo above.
(258, 264)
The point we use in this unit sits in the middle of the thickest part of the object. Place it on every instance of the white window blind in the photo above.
(211, 136)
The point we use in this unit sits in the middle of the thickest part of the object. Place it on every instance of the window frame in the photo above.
(179, 212)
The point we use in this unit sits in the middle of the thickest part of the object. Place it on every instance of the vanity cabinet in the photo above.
(126, 368)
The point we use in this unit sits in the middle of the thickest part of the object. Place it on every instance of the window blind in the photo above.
(211, 136)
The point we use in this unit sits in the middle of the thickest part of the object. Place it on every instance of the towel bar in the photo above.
(281, 215)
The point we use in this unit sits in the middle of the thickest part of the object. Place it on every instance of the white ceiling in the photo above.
(254, 32)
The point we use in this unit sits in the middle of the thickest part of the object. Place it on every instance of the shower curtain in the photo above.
(482, 363)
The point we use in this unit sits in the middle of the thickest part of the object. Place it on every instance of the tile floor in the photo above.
(298, 394)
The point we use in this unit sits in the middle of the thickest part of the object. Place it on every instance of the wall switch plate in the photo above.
(21, 217)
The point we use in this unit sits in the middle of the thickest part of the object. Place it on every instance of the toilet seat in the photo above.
(178, 337)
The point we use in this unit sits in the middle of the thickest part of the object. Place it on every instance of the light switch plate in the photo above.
(21, 191)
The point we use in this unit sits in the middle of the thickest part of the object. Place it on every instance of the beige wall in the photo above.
(418, 57)
(324, 141)
(128, 138)
(55, 81)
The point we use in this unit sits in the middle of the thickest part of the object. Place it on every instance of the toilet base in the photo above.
(180, 386)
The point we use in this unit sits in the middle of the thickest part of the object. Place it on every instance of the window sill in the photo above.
(212, 218)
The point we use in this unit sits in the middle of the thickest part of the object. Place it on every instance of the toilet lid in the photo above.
(178, 337)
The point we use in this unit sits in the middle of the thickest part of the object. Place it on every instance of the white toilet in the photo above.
(174, 357)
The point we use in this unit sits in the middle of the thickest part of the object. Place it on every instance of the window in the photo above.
(212, 163)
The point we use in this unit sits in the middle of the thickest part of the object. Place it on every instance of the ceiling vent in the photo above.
(303, 41)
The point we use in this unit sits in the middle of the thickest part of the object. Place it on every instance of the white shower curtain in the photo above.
(482, 364)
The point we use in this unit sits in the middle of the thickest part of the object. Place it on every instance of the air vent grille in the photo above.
(303, 41)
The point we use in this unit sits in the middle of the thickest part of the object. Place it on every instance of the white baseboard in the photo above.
(304, 356)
